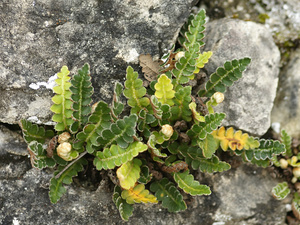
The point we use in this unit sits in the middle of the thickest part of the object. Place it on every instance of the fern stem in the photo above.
(69, 165)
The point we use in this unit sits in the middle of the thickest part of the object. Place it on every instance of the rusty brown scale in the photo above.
(176, 167)
(51, 146)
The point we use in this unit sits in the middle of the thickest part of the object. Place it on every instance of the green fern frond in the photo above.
(209, 146)
(138, 194)
(199, 131)
(225, 76)
(156, 138)
(211, 165)
(196, 115)
(116, 156)
(287, 141)
(192, 31)
(124, 208)
(181, 109)
(160, 111)
(266, 150)
(145, 176)
(99, 120)
(234, 140)
(281, 191)
(185, 66)
(117, 105)
(32, 132)
(40, 159)
(164, 90)
(82, 90)
(187, 183)
(135, 91)
(62, 101)
(166, 192)
(194, 158)
(296, 205)
(56, 184)
(202, 60)
(191, 40)
(120, 133)
(129, 173)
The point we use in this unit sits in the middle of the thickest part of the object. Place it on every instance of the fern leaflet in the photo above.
(281, 191)
(234, 140)
(135, 91)
(287, 141)
(138, 194)
(166, 192)
(82, 90)
(192, 32)
(225, 76)
(124, 208)
(120, 133)
(40, 159)
(164, 90)
(187, 183)
(117, 105)
(181, 108)
(194, 158)
(202, 60)
(62, 101)
(56, 185)
(199, 131)
(116, 156)
(266, 150)
(99, 120)
(33, 132)
(129, 173)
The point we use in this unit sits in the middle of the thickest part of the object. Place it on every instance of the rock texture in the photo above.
(248, 103)
(239, 197)
(282, 18)
(39, 37)
(286, 109)
(12, 142)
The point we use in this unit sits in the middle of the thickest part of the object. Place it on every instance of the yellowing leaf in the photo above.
(62, 101)
(196, 116)
(234, 140)
(138, 194)
(129, 173)
(164, 90)
(202, 60)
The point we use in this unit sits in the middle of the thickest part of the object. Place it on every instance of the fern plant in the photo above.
(155, 148)
(289, 161)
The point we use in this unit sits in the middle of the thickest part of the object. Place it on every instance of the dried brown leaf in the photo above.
(150, 68)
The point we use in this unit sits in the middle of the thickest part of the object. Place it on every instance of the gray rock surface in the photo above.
(12, 142)
(39, 37)
(282, 18)
(286, 109)
(248, 103)
(239, 197)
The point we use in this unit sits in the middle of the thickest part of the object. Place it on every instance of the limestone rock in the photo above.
(282, 18)
(248, 103)
(245, 199)
(286, 109)
(11, 142)
(238, 197)
(39, 37)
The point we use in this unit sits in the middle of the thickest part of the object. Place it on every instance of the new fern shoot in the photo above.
(155, 148)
